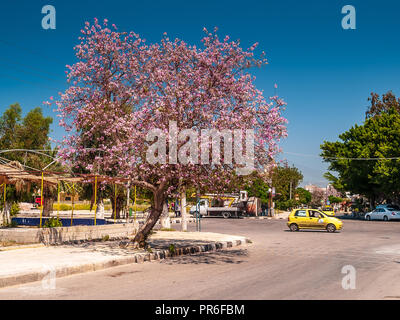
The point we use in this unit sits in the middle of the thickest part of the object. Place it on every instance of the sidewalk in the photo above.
(33, 264)
(282, 215)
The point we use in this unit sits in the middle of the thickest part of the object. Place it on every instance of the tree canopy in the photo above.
(122, 88)
(30, 132)
(381, 105)
(350, 157)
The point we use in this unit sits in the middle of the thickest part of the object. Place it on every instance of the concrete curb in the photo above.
(135, 258)
(23, 246)
(141, 221)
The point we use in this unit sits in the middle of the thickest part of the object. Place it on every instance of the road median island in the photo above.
(39, 263)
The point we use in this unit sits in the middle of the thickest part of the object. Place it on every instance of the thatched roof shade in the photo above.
(13, 172)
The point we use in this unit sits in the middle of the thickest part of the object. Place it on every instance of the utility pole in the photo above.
(270, 202)
(183, 209)
(128, 194)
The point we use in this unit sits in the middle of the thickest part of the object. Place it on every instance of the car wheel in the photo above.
(294, 227)
(385, 218)
(368, 218)
(226, 215)
(330, 228)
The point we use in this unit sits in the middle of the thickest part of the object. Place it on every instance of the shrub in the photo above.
(53, 223)
(15, 209)
(167, 229)
(68, 207)
(63, 207)
(171, 248)
(82, 206)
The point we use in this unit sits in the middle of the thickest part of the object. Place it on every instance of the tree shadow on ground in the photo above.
(112, 248)
(107, 248)
(230, 256)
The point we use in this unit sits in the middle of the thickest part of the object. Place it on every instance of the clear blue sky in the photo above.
(324, 73)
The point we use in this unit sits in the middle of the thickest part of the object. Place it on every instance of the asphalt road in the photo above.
(279, 264)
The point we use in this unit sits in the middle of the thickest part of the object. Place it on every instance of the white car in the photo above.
(384, 214)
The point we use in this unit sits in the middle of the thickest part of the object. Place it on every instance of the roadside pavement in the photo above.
(281, 215)
(29, 264)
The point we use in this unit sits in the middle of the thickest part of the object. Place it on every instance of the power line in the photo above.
(341, 158)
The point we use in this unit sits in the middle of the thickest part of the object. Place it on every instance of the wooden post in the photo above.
(95, 199)
(135, 206)
(72, 202)
(115, 202)
(128, 191)
(58, 200)
(41, 203)
(5, 199)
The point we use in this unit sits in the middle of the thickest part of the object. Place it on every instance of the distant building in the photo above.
(311, 188)
(66, 197)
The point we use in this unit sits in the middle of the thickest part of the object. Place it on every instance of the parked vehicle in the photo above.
(312, 219)
(383, 213)
(328, 210)
(393, 207)
(229, 205)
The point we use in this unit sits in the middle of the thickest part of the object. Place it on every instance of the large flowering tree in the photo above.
(122, 88)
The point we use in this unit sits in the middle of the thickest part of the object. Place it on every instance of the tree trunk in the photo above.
(372, 202)
(155, 212)
(47, 206)
(116, 212)
(183, 210)
(165, 220)
(5, 216)
(47, 201)
(100, 209)
(128, 192)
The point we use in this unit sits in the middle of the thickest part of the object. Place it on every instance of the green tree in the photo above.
(333, 199)
(30, 132)
(303, 195)
(286, 179)
(257, 187)
(9, 125)
(378, 137)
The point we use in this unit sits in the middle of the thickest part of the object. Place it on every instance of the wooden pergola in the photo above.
(13, 172)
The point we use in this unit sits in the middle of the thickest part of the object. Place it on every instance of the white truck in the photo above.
(228, 205)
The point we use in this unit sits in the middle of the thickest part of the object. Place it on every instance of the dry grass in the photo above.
(7, 243)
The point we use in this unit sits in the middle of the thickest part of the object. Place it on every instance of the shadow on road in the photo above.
(112, 248)
(233, 256)
(313, 230)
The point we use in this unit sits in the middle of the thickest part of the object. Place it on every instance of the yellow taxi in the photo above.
(312, 219)
(328, 210)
